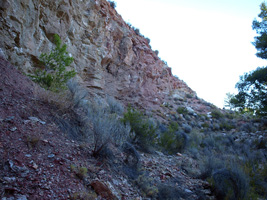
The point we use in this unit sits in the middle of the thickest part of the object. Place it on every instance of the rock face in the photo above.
(109, 57)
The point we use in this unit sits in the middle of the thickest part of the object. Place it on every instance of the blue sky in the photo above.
(207, 43)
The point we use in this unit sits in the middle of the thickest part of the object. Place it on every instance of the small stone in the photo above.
(9, 179)
(159, 153)
(179, 154)
(35, 166)
(9, 119)
(51, 156)
(28, 155)
(35, 119)
(13, 129)
(188, 191)
(21, 197)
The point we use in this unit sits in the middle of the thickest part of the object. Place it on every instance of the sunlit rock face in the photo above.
(109, 57)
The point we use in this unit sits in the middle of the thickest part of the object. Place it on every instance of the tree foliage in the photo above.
(54, 75)
(252, 88)
(261, 29)
(252, 92)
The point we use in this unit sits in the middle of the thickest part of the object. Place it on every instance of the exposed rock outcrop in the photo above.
(110, 58)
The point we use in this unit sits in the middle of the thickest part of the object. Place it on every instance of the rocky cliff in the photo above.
(109, 56)
(48, 141)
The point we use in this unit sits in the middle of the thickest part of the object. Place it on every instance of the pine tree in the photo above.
(54, 75)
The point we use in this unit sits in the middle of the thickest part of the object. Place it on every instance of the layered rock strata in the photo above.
(109, 57)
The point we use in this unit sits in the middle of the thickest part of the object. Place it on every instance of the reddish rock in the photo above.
(109, 57)
(103, 190)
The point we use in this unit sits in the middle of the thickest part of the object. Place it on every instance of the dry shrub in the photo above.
(33, 141)
(62, 99)
(106, 127)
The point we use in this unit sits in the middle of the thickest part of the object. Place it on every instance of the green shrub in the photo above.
(227, 126)
(112, 4)
(195, 139)
(80, 172)
(182, 110)
(54, 75)
(171, 141)
(145, 183)
(209, 164)
(143, 131)
(216, 114)
(229, 184)
(33, 141)
(258, 180)
(84, 195)
(189, 96)
(260, 143)
(205, 125)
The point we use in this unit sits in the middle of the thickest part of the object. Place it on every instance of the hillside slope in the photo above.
(41, 159)
(73, 144)
(45, 155)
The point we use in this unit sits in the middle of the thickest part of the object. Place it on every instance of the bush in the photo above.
(182, 110)
(33, 141)
(85, 195)
(112, 4)
(169, 192)
(137, 31)
(187, 128)
(258, 180)
(107, 128)
(227, 126)
(145, 183)
(171, 140)
(229, 184)
(115, 106)
(143, 132)
(148, 40)
(210, 164)
(54, 75)
(209, 142)
(80, 172)
(216, 114)
(260, 143)
(132, 156)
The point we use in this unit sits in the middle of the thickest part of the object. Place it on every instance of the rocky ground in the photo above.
(47, 140)
(41, 160)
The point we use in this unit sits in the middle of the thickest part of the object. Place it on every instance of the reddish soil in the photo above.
(38, 160)
(35, 156)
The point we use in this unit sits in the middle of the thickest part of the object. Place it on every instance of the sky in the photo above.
(207, 43)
